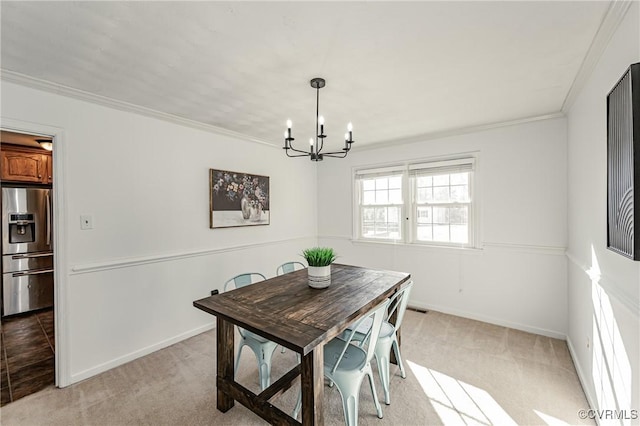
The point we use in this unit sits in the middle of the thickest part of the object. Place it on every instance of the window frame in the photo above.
(359, 206)
(409, 207)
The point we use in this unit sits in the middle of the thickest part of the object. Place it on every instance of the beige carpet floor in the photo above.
(459, 371)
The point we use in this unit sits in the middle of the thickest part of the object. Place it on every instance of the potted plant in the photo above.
(319, 260)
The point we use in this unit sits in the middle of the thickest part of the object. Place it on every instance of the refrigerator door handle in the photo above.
(30, 256)
(22, 274)
(48, 207)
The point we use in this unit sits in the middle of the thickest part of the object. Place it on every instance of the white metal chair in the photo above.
(261, 347)
(287, 267)
(346, 365)
(388, 338)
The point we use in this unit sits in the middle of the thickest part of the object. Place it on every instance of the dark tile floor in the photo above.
(27, 358)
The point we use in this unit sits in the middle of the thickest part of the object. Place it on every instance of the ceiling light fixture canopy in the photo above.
(315, 146)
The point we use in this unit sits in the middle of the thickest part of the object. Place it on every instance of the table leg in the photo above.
(224, 354)
(312, 380)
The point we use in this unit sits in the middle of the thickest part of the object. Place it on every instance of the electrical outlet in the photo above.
(214, 292)
(86, 222)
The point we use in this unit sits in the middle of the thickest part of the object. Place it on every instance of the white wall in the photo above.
(604, 288)
(518, 277)
(131, 281)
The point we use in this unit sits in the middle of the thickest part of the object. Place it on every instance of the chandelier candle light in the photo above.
(315, 146)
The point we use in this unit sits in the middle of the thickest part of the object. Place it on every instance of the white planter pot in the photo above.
(319, 276)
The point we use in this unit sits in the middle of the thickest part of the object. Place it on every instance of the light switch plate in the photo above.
(86, 222)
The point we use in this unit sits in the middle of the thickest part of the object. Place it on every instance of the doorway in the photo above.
(27, 326)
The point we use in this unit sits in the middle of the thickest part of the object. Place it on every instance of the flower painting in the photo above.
(237, 199)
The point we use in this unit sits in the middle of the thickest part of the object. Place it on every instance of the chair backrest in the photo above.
(287, 267)
(398, 302)
(244, 279)
(378, 314)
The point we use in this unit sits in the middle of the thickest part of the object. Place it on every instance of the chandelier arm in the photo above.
(305, 154)
(338, 154)
(296, 150)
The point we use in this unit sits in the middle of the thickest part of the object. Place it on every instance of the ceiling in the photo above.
(397, 70)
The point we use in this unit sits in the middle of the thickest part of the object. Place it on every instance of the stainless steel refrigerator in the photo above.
(27, 249)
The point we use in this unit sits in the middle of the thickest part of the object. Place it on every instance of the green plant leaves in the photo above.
(319, 256)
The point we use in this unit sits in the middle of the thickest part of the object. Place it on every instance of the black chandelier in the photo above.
(315, 146)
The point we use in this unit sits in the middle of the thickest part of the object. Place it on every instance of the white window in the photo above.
(380, 204)
(422, 203)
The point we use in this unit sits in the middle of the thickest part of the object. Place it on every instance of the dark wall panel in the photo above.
(623, 164)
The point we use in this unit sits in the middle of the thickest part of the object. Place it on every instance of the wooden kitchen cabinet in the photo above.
(22, 164)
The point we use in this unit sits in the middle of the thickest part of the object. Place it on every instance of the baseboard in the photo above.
(581, 376)
(101, 368)
(490, 320)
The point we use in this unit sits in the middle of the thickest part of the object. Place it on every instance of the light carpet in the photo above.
(459, 371)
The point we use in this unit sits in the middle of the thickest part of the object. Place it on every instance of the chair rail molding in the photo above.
(169, 257)
(608, 283)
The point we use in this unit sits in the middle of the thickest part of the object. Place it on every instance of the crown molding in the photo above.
(459, 131)
(59, 89)
(610, 23)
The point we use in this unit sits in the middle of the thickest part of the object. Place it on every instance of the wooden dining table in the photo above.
(284, 309)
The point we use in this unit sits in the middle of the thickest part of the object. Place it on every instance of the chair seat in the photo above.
(355, 358)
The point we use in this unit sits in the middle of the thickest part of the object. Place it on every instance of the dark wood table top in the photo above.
(286, 310)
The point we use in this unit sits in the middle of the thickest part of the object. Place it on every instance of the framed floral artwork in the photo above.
(237, 199)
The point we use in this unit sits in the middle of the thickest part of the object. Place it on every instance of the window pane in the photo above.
(368, 231)
(424, 215)
(368, 184)
(368, 215)
(441, 180)
(460, 178)
(460, 234)
(429, 195)
(395, 196)
(381, 230)
(458, 215)
(441, 233)
(460, 193)
(382, 196)
(393, 215)
(424, 233)
(425, 181)
(382, 183)
(395, 182)
(424, 195)
(368, 197)
(441, 215)
(441, 194)
(381, 214)
(394, 232)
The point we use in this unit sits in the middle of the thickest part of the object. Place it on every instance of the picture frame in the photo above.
(623, 164)
(238, 199)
